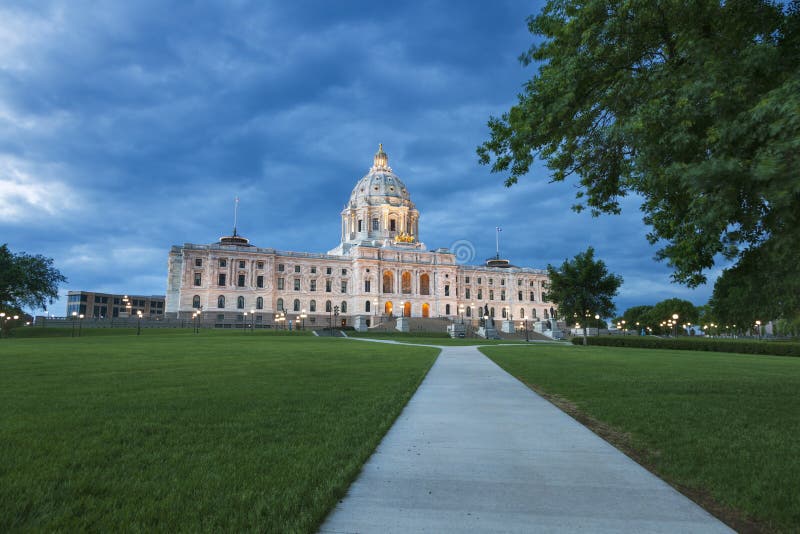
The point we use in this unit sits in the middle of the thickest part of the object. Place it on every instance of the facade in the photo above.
(380, 267)
(105, 305)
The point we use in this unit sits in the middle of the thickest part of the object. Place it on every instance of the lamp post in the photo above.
(675, 323)
(2, 323)
(461, 312)
(758, 326)
(74, 316)
(303, 319)
(335, 314)
(138, 322)
(403, 308)
(80, 324)
(597, 318)
(252, 320)
(526, 330)
(244, 322)
(624, 331)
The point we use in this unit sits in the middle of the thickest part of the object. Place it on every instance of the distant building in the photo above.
(380, 267)
(104, 305)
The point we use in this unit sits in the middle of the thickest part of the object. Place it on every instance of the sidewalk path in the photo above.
(475, 450)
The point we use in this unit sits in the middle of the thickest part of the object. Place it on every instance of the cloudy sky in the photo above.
(128, 127)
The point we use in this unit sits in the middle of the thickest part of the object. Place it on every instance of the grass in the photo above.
(723, 427)
(171, 431)
(430, 338)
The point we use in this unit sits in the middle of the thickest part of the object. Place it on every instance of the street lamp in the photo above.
(597, 318)
(335, 314)
(244, 322)
(303, 319)
(461, 312)
(138, 322)
(80, 324)
(758, 325)
(403, 308)
(74, 316)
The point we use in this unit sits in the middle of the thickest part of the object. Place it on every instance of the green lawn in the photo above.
(719, 424)
(172, 431)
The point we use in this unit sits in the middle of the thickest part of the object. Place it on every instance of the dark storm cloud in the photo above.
(126, 127)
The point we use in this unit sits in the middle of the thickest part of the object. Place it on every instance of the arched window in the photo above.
(388, 282)
(469, 311)
(221, 301)
(447, 290)
(522, 313)
(328, 307)
(312, 306)
(546, 315)
(447, 309)
(280, 304)
(240, 303)
(196, 302)
(424, 284)
(491, 311)
(296, 306)
(366, 306)
(343, 307)
(533, 313)
(405, 283)
(260, 303)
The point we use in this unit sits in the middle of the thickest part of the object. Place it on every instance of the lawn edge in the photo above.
(340, 493)
(732, 517)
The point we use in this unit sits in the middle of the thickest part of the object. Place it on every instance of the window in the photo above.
(405, 283)
(533, 313)
(297, 268)
(491, 294)
(502, 281)
(447, 290)
(479, 280)
(366, 286)
(240, 303)
(196, 302)
(280, 283)
(469, 311)
(116, 300)
(533, 297)
(491, 311)
(388, 282)
(313, 270)
(343, 307)
(503, 295)
(504, 313)
(221, 279)
(198, 262)
(466, 279)
(220, 317)
(533, 284)
(392, 225)
(221, 302)
(312, 306)
(491, 281)
(280, 304)
(466, 293)
(519, 282)
(328, 270)
(297, 284)
(359, 224)
(312, 285)
(223, 262)
(280, 267)
(480, 294)
(522, 313)
(260, 303)
(425, 284)
(375, 224)
(344, 272)
(240, 281)
(198, 279)
(519, 295)
(260, 280)
(447, 309)
(344, 286)
(241, 264)
(366, 306)
(328, 306)
(259, 265)
(327, 286)
(296, 305)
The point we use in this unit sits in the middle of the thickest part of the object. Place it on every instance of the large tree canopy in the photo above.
(582, 288)
(27, 280)
(695, 106)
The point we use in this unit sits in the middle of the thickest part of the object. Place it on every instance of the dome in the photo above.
(380, 185)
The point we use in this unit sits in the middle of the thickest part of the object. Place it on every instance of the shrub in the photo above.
(774, 348)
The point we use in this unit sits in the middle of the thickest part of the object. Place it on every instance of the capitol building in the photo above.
(380, 268)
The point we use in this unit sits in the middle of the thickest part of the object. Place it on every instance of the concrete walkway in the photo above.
(475, 450)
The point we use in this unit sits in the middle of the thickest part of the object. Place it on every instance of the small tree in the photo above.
(583, 287)
(27, 280)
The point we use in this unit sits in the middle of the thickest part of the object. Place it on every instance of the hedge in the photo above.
(775, 348)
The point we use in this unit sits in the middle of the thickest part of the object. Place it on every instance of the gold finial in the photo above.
(381, 160)
(380, 147)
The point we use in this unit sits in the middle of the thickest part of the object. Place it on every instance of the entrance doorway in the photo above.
(407, 309)
(426, 310)
(387, 308)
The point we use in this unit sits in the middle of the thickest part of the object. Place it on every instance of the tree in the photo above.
(691, 105)
(638, 317)
(582, 288)
(26, 280)
(664, 311)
